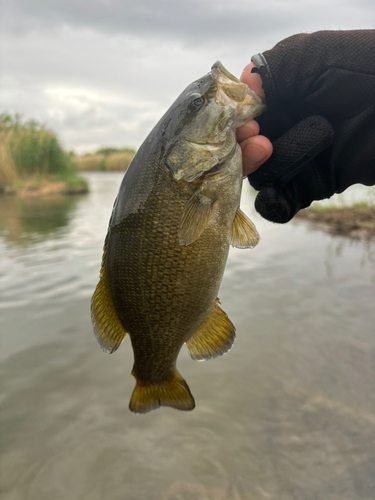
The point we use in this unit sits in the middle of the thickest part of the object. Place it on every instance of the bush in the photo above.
(29, 149)
(34, 149)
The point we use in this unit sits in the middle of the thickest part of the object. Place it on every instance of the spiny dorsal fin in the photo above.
(174, 393)
(214, 338)
(195, 218)
(244, 233)
(107, 327)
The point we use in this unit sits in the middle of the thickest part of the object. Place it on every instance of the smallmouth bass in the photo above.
(175, 216)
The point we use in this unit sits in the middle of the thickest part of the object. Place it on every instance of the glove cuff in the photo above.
(263, 69)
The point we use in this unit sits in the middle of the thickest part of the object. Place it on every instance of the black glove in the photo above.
(320, 92)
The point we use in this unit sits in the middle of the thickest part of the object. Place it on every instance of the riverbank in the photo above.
(357, 221)
(32, 189)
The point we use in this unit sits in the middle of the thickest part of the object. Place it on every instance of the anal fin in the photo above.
(244, 233)
(214, 337)
(105, 321)
(174, 393)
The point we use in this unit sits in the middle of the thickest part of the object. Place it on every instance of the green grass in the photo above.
(30, 151)
(341, 202)
(363, 204)
(329, 208)
(75, 183)
(109, 151)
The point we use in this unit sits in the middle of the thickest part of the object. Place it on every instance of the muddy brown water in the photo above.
(289, 413)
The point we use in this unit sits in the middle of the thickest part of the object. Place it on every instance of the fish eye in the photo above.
(196, 103)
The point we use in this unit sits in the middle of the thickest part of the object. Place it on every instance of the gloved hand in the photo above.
(320, 92)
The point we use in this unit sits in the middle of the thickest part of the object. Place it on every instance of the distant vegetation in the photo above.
(31, 155)
(355, 221)
(105, 159)
(330, 208)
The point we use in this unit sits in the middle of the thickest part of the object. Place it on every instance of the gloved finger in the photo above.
(274, 205)
(280, 203)
(292, 151)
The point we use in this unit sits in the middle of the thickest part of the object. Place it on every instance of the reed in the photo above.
(118, 161)
(8, 172)
(28, 150)
(90, 162)
(105, 159)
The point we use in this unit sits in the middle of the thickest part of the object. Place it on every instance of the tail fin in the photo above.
(174, 393)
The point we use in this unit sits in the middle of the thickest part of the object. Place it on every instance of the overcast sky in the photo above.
(102, 72)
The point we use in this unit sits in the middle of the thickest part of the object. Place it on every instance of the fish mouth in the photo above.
(230, 91)
(218, 72)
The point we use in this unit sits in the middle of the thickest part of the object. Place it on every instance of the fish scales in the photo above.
(168, 284)
(175, 216)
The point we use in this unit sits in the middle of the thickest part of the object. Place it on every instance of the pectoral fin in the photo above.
(107, 326)
(244, 233)
(214, 338)
(195, 218)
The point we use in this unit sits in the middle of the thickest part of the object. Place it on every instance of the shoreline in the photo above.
(353, 222)
(45, 188)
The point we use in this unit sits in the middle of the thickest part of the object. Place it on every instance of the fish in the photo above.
(175, 216)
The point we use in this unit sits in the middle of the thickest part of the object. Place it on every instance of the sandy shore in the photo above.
(355, 222)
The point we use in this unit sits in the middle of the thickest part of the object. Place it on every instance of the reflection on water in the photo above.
(336, 249)
(289, 413)
(26, 220)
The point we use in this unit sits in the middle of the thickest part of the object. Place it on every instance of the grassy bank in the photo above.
(32, 160)
(355, 221)
(105, 159)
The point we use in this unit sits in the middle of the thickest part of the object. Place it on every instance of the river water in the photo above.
(289, 413)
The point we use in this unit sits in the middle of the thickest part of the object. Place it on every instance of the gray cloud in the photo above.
(194, 21)
(103, 72)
